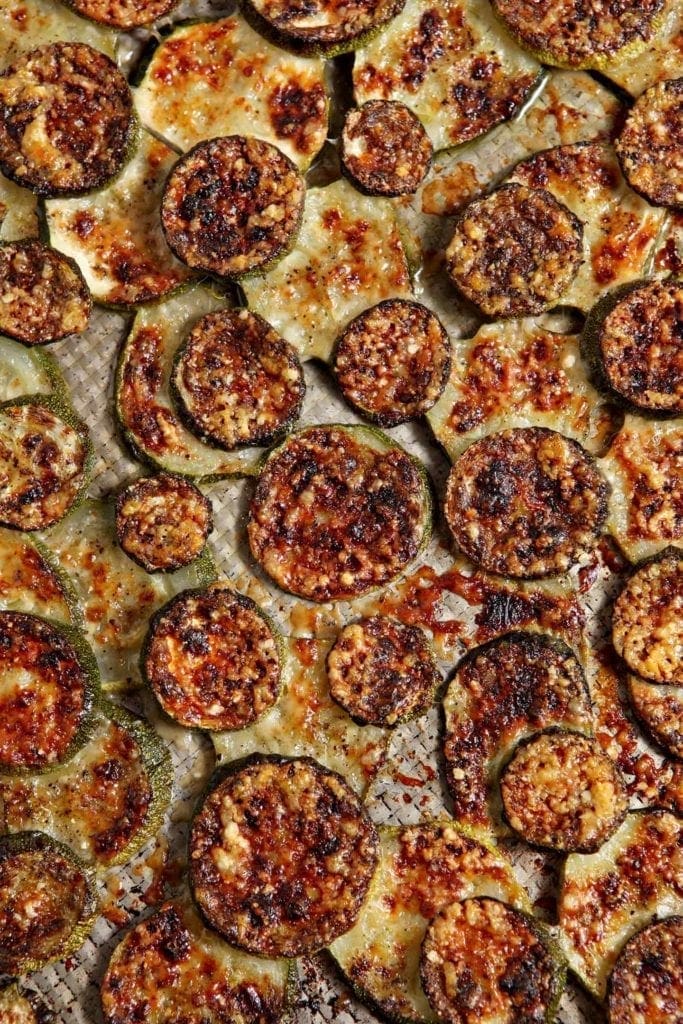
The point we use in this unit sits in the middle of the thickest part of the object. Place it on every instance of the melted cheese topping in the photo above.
(660, 710)
(24, 25)
(647, 982)
(647, 621)
(162, 522)
(18, 209)
(28, 583)
(659, 60)
(42, 295)
(25, 371)
(649, 144)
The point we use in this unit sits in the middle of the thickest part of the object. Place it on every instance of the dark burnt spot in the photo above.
(295, 113)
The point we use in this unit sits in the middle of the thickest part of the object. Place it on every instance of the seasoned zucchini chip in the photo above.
(25, 26)
(501, 692)
(348, 256)
(43, 296)
(115, 236)
(123, 14)
(392, 362)
(323, 27)
(643, 467)
(19, 1005)
(338, 511)
(107, 801)
(619, 228)
(232, 206)
(45, 461)
(452, 64)
(646, 985)
(515, 252)
(29, 371)
(182, 95)
(31, 581)
(483, 962)
(170, 968)
(560, 791)
(143, 391)
(281, 856)
(237, 382)
(661, 58)
(49, 680)
(47, 902)
(659, 709)
(384, 149)
(18, 208)
(382, 671)
(647, 621)
(607, 896)
(526, 502)
(66, 120)
(163, 522)
(422, 869)
(649, 144)
(213, 659)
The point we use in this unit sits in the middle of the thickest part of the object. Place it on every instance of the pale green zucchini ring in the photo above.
(323, 28)
(43, 296)
(33, 582)
(659, 709)
(122, 14)
(647, 619)
(43, 21)
(29, 371)
(646, 985)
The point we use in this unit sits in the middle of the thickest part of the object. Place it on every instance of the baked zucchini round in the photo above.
(392, 362)
(213, 659)
(650, 144)
(647, 620)
(646, 985)
(338, 511)
(43, 296)
(526, 502)
(515, 252)
(322, 26)
(384, 149)
(19, 1005)
(232, 206)
(67, 123)
(47, 902)
(659, 709)
(237, 381)
(122, 14)
(281, 856)
(163, 522)
(382, 671)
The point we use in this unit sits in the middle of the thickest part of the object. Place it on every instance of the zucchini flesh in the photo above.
(18, 210)
(25, 371)
(659, 60)
(143, 399)
(25, 25)
(348, 256)
(31, 582)
(452, 63)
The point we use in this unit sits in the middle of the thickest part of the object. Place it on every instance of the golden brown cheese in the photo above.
(43, 296)
(322, 26)
(123, 14)
(650, 144)
(647, 621)
(384, 149)
(29, 583)
(659, 709)
(646, 985)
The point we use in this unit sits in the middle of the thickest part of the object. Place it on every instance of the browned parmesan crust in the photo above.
(66, 119)
(238, 382)
(578, 33)
(43, 296)
(515, 252)
(384, 149)
(163, 522)
(646, 985)
(659, 709)
(382, 671)
(334, 516)
(392, 362)
(320, 26)
(647, 621)
(123, 14)
(212, 659)
(650, 145)
(526, 502)
(232, 205)
(281, 856)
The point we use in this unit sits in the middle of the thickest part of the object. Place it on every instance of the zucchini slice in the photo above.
(171, 968)
(323, 27)
(382, 671)
(643, 468)
(661, 59)
(526, 502)
(281, 856)
(338, 511)
(32, 582)
(49, 683)
(483, 961)
(66, 120)
(117, 596)
(502, 691)
(19, 1005)
(515, 252)
(647, 621)
(212, 659)
(348, 256)
(24, 26)
(237, 382)
(384, 149)
(560, 791)
(648, 145)
(45, 462)
(307, 722)
(115, 236)
(646, 985)
(122, 14)
(163, 522)
(452, 64)
(43, 296)
(47, 902)
(619, 228)
(392, 362)
(607, 896)
(232, 206)
(659, 709)
(18, 208)
(25, 371)
(107, 801)
(422, 868)
(143, 397)
(182, 95)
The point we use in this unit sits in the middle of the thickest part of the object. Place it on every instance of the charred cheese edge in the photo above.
(659, 709)
(25, 25)
(26, 371)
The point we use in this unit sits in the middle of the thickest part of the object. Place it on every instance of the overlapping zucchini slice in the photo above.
(25, 371)
(648, 144)
(18, 210)
(323, 27)
(43, 296)
(646, 985)
(31, 580)
(659, 60)
(25, 25)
